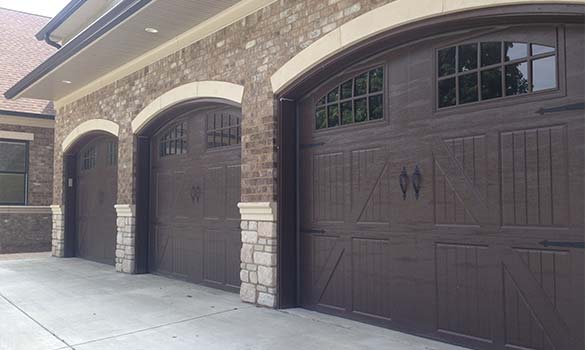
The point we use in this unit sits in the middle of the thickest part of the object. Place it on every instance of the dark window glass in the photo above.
(333, 95)
(12, 156)
(447, 95)
(173, 140)
(376, 107)
(491, 53)
(376, 80)
(540, 49)
(513, 51)
(88, 158)
(13, 172)
(12, 188)
(361, 110)
(112, 152)
(321, 118)
(468, 88)
(544, 73)
(223, 129)
(491, 83)
(447, 61)
(361, 85)
(517, 78)
(332, 116)
(346, 89)
(467, 57)
(346, 113)
(321, 101)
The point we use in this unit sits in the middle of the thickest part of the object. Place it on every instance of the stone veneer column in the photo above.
(258, 255)
(58, 231)
(126, 238)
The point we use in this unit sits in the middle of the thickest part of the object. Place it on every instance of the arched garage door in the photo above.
(195, 188)
(489, 128)
(97, 169)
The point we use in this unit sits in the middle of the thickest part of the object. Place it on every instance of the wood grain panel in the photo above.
(534, 177)
(370, 196)
(328, 187)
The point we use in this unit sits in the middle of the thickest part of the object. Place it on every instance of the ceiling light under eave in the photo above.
(66, 81)
(151, 30)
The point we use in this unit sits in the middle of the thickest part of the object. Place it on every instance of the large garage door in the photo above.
(195, 188)
(96, 197)
(489, 128)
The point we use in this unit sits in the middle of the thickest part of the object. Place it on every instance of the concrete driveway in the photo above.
(49, 303)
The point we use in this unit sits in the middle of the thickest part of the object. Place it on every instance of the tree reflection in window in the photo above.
(354, 101)
(505, 69)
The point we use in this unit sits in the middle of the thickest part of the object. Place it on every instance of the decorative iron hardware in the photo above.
(416, 181)
(570, 107)
(311, 145)
(312, 231)
(403, 182)
(547, 243)
(195, 193)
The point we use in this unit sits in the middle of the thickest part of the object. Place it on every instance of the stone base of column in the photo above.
(126, 238)
(258, 255)
(58, 231)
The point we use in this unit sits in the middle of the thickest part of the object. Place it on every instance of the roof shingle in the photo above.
(20, 53)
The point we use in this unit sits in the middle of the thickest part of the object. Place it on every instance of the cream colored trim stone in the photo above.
(257, 211)
(56, 209)
(24, 121)
(24, 209)
(381, 19)
(208, 27)
(125, 210)
(199, 89)
(16, 135)
(87, 127)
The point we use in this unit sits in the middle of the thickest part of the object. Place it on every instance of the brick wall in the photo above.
(247, 52)
(21, 233)
(40, 165)
(31, 232)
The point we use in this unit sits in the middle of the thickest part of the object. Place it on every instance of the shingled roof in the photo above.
(21, 52)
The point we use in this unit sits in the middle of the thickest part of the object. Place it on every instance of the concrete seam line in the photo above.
(37, 322)
(155, 327)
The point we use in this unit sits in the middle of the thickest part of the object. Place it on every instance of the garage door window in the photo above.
(482, 71)
(173, 141)
(223, 129)
(13, 172)
(88, 158)
(356, 100)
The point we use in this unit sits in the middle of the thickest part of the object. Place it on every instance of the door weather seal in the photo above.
(570, 107)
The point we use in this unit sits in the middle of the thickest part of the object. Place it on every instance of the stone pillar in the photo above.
(258, 255)
(126, 238)
(58, 231)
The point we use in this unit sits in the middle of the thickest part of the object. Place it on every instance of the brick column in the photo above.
(258, 255)
(126, 238)
(58, 231)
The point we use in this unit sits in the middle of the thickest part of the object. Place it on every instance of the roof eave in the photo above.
(59, 18)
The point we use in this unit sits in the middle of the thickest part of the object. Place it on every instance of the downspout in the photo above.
(51, 42)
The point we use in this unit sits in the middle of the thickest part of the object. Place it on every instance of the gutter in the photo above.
(27, 114)
(55, 22)
(96, 30)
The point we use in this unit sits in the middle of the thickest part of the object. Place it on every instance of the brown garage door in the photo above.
(96, 197)
(195, 188)
(490, 252)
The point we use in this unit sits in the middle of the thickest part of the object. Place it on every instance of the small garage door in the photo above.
(485, 135)
(96, 197)
(195, 188)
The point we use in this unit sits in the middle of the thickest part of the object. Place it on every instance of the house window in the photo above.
(489, 70)
(13, 172)
(173, 141)
(223, 129)
(88, 158)
(112, 152)
(356, 100)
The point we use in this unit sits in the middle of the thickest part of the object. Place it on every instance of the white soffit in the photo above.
(128, 47)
